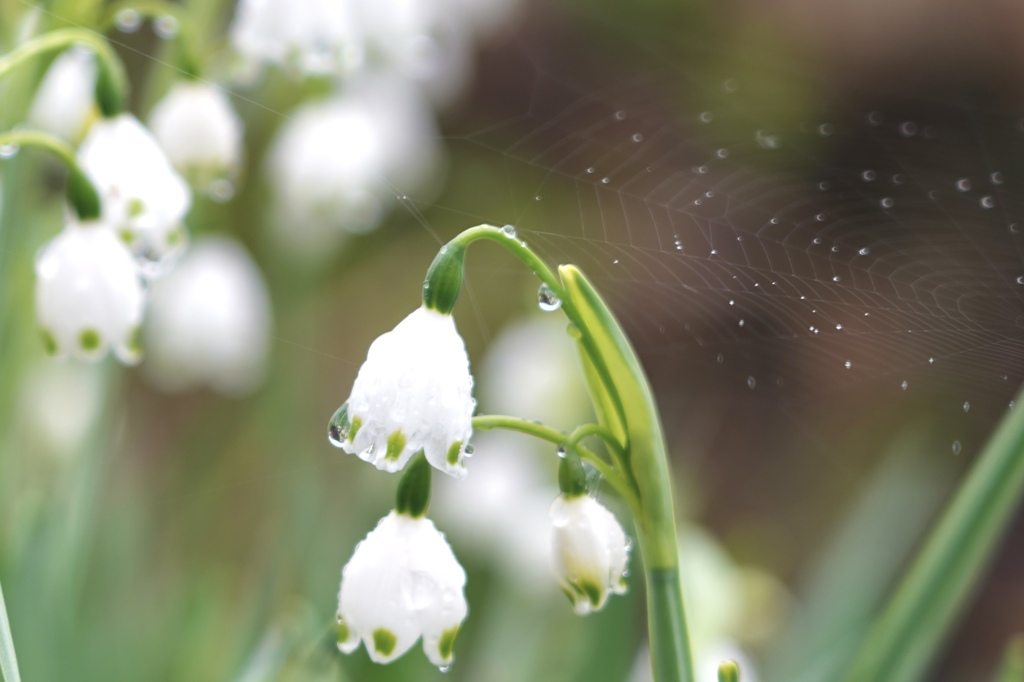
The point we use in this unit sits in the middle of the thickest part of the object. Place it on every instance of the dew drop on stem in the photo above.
(547, 300)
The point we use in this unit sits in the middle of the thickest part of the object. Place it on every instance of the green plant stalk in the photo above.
(933, 592)
(1012, 667)
(81, 191)
(627, 411)
(8, 660)
(55, 41)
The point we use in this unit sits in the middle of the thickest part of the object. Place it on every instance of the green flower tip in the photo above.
(49, 342)
(82, 195)
(384, 641)
(343, 632)
(584, 589)
(446, 645)
(109, 91)
(444, 279)
(728, 671)
(454, 452)
(413, 494)
(89, 339)
(396, 443)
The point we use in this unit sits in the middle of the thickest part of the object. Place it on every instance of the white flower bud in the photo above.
(200, 132)
(316, 37)
(402, 582)
(144, 199)
(208, 321)
(591, 552)
(89, 296)
(413, 393)
(65, 99)
(337, 165)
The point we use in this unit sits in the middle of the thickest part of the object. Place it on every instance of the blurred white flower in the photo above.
(65, 99)
(209, 321)
(315, 37)
(89, 296)
(403, 581)
(591, 552)
(200, 133)
(336, 166)
(61, 402)
(144, 199)
(414, 392)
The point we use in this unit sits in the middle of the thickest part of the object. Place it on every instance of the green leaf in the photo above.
(8, 660)
(1012, 668)
(934, 591)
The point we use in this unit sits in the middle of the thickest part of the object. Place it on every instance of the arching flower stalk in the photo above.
(413, 395)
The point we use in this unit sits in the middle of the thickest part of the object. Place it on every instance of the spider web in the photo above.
(871, 247)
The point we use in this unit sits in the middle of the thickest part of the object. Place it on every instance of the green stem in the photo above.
(488, 422)
(1012, 667)
(8, 660)
(82, 193)
(933, 592)
(112, 73)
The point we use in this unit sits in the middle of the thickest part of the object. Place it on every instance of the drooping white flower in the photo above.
(144, 199)
(315, 37)
(208, 321)
(414, 392)
(65, 99)
(336, 166)
(199, 131)
(89, 296)
(402, 582)
(591, 552)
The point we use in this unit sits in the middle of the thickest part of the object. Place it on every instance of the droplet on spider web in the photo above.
(547, 300)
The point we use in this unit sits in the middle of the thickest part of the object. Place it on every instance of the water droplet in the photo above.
(837, 278)
(337, 430)
(820, 217)
(722, 153)
(931, 361)
(908, 129)
(444, 668)
(864, 251)
(887, 202)
(742, 322)
(904, 384)
(620, 115)
(868, 176)
(1020, 280)
(967, 406)
(615, 262)
(732, 302)
(825, 129)
(996, 178)
(720, 358)
(839, 327)
(637, 137)
(1013, 404)
(730, 85)
(537, 198)
(963, 184)
(987, 201)
(166, 26)
(751, 382)
(509, 230)
(956, 447)
(560, 452)
(590, 170)
(848, 364)
(222, 190)
(767, 140)
(714, 252)
(546, 299)
(8, 150)
(128, 20)
(706, 117)
(874, 118)
(816, 240)
(605, 180)
(774, 221)
(823, 186)
(468, 450)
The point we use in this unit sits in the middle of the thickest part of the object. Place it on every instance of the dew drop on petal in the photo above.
(547, 300)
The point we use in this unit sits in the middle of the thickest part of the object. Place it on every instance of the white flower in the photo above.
(413, 393)
(317, 37)
(65, 99)
(199, 131)
(209, 321)
(336, 166)
(402, 582)
(590, 551)
(144, 199)
(89, 296)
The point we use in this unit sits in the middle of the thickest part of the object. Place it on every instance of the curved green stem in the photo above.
(112, 78)
(606, 436)
(82, 193)
(517, 247)
(8, 660)
(488, 422)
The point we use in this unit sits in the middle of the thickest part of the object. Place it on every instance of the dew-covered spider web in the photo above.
(861, 246)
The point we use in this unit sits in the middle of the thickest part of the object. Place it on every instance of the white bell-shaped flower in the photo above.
(413, 393)
(591, 551)
(402, 582)
(144, 199)
(200, 133)
(208, 322)
(336, 166)
(89, 296)
(65, 99)
(315, 37)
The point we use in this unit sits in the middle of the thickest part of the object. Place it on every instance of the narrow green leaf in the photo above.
(925, 605)
(1012, 668)
(8, 660)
